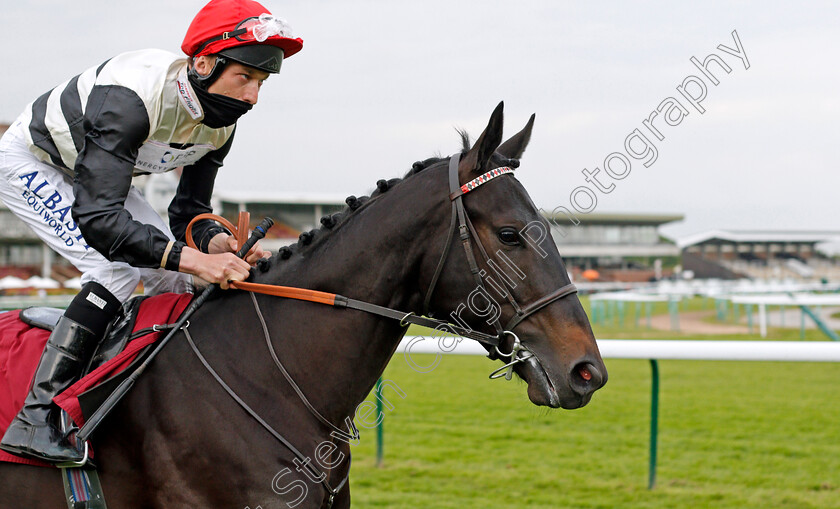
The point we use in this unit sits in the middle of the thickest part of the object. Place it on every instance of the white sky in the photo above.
(381, 84)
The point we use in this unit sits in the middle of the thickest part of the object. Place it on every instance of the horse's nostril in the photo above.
(584, 373)
(587, 377)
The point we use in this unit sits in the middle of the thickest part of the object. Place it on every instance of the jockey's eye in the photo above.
(509, 236)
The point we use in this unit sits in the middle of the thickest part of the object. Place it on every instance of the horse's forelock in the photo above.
(466, 144)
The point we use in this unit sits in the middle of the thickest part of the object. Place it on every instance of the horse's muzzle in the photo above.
(572, 390)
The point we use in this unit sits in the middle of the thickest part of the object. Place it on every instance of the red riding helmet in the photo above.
(241, 30)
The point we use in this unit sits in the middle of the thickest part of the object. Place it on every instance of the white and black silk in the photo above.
(135, 113)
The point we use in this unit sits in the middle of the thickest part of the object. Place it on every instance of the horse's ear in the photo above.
(478, 156)
(515, 146)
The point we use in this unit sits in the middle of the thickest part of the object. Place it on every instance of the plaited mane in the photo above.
(354, 203)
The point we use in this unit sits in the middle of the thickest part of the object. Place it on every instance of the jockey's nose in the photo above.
(251, 93)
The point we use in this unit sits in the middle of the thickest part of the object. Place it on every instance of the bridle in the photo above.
(461, 226)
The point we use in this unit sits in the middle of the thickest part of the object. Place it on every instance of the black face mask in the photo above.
(219, 110)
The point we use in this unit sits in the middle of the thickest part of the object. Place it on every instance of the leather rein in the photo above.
(461, 226)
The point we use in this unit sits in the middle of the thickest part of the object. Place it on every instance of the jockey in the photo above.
(67, 164)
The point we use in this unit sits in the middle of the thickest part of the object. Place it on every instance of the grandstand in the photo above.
(760, 254)
(292, 213)
(621, 247)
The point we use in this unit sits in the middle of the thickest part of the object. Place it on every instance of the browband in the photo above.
(482, 179)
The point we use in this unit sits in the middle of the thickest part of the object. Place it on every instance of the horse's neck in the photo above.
(374, 256)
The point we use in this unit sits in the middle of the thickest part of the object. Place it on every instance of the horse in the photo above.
(301, 369)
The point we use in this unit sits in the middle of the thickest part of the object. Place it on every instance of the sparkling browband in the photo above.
(487, 177)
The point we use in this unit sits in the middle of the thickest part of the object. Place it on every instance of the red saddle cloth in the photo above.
(20, 350)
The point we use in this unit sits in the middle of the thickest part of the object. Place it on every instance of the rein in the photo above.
(306, 463)
(461, 226)
(340, 301)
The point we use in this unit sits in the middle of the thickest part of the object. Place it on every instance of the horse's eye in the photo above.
(509, 236)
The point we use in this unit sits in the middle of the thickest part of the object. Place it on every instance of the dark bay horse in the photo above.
(180, 440)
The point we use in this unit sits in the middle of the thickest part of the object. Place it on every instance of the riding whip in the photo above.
(115, 397)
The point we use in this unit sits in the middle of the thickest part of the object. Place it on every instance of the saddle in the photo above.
(117, 335)
(119, 332)
(140, 323)
(127, 342)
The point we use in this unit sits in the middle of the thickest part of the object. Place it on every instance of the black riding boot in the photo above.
(35, 432)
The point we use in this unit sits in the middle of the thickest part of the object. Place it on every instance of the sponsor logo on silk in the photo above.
(157, 157)
(185, 94)
(44, 200)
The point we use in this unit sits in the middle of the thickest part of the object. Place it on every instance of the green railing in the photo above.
(655, 350)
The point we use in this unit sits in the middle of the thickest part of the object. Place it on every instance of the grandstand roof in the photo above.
(617, 218)
(285, 198)
(754, 236)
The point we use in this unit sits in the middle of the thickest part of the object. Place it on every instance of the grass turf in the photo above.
(732, 434)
